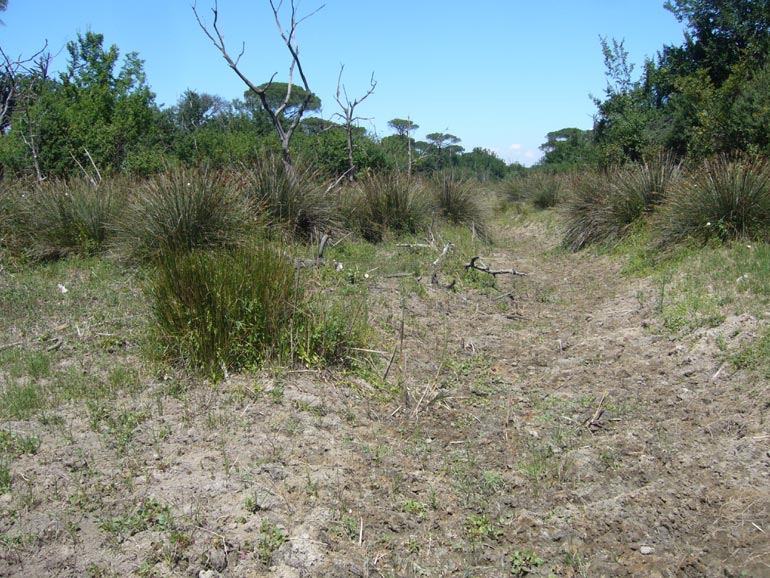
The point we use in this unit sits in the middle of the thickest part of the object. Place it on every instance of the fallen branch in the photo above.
(594, 420)
(494, 272)
(443, 254)
(11, 345)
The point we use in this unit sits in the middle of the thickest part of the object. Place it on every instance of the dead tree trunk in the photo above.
(19, 97)
(348, 108)
(284, 132)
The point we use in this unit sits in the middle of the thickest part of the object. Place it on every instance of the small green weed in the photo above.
(149, 514)
(523, 563)
(414, 507)
(15, 445)
(270, 538)
(479, 526)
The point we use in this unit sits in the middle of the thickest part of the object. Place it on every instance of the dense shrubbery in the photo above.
(721, 198)
(184, 209)
(724, 198)
(57, 218)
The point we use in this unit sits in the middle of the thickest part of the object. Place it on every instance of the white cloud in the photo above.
(519, 153)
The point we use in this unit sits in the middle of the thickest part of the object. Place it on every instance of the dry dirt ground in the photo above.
(546, 427)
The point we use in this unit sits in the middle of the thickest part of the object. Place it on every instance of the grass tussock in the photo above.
(545, 190)
(295, 199)
(380, 204)
(58, 218)
(726, 198)
(182, 210)
(604, 208)
(218, 311)
(458, 201)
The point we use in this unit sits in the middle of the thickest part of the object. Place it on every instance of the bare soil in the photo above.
(546, 426)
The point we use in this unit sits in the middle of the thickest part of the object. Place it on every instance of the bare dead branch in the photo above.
(217, 38)
(494, 272)
(348, 108)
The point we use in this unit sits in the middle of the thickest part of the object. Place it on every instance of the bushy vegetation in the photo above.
(459, 201)
(185, 209)
(227, 310)
(725, 198)
(603, 207)
(385, 203)
(295, 198)
(57, 218)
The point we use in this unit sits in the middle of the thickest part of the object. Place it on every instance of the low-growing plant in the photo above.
(149, 514)
(182, 210)
(270, 538)
(523, 563)
(21, 400)
(725, 198)
(387, 203)
(58, 218)
(479, 526)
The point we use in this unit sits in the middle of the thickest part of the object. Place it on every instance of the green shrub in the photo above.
(725, 198)
(296, 200)
(57, 218)
(387, 202)
(458, 201)
(184, 209)
(227, 310)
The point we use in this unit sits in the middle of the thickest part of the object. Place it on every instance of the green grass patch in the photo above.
(221, 311)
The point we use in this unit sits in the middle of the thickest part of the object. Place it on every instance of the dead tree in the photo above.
(21, 81)
(275, 114)
(348, 110)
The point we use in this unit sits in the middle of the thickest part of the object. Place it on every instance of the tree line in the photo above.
(706, 96)
(99, 117)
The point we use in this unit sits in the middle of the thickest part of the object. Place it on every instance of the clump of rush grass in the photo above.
(218, 310)
(587, 212)
(725, 198)
(514, 189)
(385, 203)
(227, 310)
(57, 218)
(604, 208)
(458, 202)
(545, 190)
(181, 210)
(641, 187)
(293, 198)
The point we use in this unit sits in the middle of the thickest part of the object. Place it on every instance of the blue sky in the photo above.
(498, 74)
